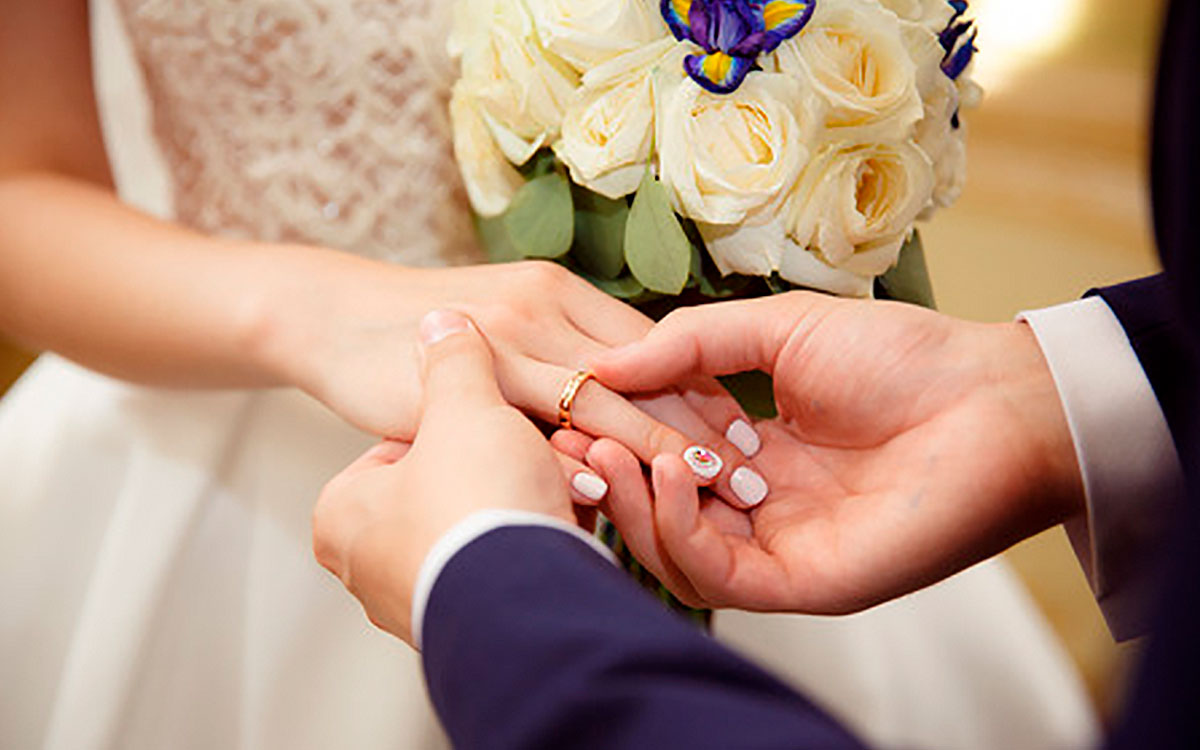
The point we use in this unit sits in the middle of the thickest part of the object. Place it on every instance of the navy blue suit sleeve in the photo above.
(531, 640)
(1162, 712)
(1156, 329)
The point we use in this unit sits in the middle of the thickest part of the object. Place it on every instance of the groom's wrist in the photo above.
(1054, 490)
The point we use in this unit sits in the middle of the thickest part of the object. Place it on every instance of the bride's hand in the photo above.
(346, 333)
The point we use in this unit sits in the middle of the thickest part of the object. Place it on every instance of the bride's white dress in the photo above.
(157, 588)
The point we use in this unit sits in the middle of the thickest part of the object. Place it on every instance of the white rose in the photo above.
(933, 14)
(944, 144)
(491, 181)
(587, 33)
(942, 99)
(855, 204)
(723, 156)
(521, 89)
(760, 249)
(934, 134)
(853, 56)
(468, 25)
(608, 130)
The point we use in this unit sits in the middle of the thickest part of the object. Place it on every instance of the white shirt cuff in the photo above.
(1126, 455)
(468, 530)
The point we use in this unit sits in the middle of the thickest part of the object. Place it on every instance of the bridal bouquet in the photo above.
(701, 147)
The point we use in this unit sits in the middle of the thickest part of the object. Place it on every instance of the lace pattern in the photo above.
(314, 121)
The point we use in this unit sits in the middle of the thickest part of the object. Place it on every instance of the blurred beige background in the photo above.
(1056, 203)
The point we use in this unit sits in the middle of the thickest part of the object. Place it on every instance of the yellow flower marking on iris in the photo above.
(778, 12)
(717, 65)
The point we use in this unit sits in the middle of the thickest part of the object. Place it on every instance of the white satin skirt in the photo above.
(158, 590)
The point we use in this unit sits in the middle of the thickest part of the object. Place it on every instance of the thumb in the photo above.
(458, 370)
(715, 339)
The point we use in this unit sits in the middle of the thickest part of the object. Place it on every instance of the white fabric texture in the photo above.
(157, 585)
(1130, 470)
(315, 121)
(468, 530)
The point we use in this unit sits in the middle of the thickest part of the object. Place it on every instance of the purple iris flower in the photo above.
(732, 34)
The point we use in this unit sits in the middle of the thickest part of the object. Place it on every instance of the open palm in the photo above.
(909, 445)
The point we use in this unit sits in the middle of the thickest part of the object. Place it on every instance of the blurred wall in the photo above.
(1057, 203)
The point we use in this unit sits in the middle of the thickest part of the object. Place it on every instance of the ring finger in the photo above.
(535, 387)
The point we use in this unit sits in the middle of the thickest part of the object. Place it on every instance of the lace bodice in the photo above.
(315, 121)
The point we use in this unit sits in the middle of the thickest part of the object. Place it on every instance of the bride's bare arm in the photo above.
(153, 302)
(82, 274)
(124, 294)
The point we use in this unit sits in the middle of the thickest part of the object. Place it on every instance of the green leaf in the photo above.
(656, 248)
(696, 265)
(777, 284)
(625, 287)
(494, 237)
(722, 287)
(600, 233)
(908, 281)
(541, 219)
(539, 165)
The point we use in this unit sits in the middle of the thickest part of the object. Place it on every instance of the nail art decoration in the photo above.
(704, 462)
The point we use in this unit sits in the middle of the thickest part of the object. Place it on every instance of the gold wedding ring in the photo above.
(567, 398)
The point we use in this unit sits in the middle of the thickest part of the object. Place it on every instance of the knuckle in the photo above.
(677, 318)
(325, 554)
(662, 439)
(542, 273)
(378, 619)
(322, 521)
(323, 549)
(505, 320)
(326, 498)
(374, 618)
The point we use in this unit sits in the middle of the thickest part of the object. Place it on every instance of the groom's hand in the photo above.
(375, 522)
(910, 445)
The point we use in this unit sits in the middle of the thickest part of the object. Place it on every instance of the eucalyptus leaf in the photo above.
(721, 287)
(777, 284)
(696, 266)
(494, 237)
(908, 281)
(657, 250)
(540, 164)
(600, 233)
(625, 287)
(541, 219)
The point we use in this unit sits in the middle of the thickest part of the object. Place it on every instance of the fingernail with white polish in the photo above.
(749, 486)
(705, 463)
(589, 485)
(439, 324)
(742, 435)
